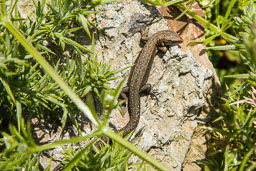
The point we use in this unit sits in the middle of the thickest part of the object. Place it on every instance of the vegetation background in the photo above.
(35, 83)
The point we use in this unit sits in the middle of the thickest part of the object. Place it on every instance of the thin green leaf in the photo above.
(18, 114)
(243, 76)
(225, 47)
(67, 40)
(64, 118)
(230, 7)
(85, 25)
(8, 89)
(154, 2)
(209, 39)
(217, 9)
(185, 11)
(173, 2)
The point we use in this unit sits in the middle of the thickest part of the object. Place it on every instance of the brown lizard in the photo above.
(140, 72)
(139, 76)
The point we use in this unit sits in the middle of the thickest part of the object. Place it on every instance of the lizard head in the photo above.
(171, 38)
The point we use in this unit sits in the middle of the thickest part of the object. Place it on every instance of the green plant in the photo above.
(45, 84)
(233, 144)
(16, 154)
(23, 81)
(239, 115)
(115, 158)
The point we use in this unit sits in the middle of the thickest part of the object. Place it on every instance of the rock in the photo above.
(167, 125)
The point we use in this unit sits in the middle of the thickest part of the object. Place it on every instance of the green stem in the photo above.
(106, 131)
(226, 36)
(64, 142)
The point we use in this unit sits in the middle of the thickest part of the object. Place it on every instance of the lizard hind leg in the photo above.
(123, 98)
(147, 90)
(124, 93)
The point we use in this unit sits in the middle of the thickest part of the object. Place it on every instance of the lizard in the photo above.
(137, 81)
(140, 71)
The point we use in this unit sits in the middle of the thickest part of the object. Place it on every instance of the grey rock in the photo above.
(167, 125)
